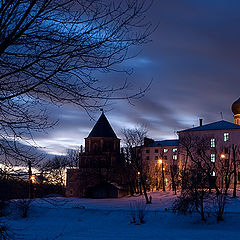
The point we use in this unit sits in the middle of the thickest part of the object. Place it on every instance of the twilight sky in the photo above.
(194, 64)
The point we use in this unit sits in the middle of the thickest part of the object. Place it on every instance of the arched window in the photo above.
(95, 147)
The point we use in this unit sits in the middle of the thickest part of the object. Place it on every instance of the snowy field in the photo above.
(66, 218)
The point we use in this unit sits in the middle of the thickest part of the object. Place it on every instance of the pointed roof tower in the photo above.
(102, 128)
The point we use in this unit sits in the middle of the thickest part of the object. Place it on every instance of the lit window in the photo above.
(156, 150)
(174, 149)
(213, 142)
(165, 150)
(226, 137)
(174, 157)
(147, 151)
(213, 157)
(156, 157)
(213, 174)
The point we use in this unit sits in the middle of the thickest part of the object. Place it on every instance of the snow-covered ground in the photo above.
(66, 218)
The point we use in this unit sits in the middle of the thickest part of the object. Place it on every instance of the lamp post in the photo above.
(160, 161)
(223, 157)
(139, 182)
(30, 182)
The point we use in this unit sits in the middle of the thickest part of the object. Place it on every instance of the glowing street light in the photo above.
(222, 156)
(33, 178)
(160, 161)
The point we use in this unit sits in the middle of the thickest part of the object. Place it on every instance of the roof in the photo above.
(164, 143)
(102, 128)
(220, 125)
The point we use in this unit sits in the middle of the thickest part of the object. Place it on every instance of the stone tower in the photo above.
(98, 171)
(102, 138)
(102, 147)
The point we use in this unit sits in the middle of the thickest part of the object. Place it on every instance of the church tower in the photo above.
(98, 165)
(102, 147)
(102, 138)
(236, 111)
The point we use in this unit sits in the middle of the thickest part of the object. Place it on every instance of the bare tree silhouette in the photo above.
(49, 52)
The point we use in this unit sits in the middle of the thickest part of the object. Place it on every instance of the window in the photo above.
(174, 157)
(174, 150)
(95, 147)
(213, 174)
(147, 157)
(156, 157)
(213, 142)
(213, 157)
(165, 150)
(147, 151)
(156, 150)
(165, 157)
(226, 137)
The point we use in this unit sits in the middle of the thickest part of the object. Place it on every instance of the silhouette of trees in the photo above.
(50, 51)
(134, 141)
(206, 168)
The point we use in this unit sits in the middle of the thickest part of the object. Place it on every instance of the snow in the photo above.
(104, 219)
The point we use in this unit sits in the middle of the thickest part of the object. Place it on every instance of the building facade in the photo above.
(213, 144)
(219, 141)
(161, 155)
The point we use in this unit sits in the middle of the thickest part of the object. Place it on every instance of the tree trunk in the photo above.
(144, 190)
(234, 172)
(202, 208)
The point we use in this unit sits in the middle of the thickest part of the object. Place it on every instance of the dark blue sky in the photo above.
(194, 64)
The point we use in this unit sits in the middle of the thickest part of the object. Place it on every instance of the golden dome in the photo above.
(236, 107)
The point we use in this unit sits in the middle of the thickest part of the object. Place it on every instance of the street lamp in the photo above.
(32, 178)
(160, 162)
(222, 156)
(139, 181)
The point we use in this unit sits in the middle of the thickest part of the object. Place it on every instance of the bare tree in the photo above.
(195, 195)
(134, 141)
(50, 51)
(217, 164)
(73, 157)
(197, 152)
(54, 170)
(235, 162)
(174, 172)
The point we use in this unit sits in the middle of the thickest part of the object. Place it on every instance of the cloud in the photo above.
(194, 63)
